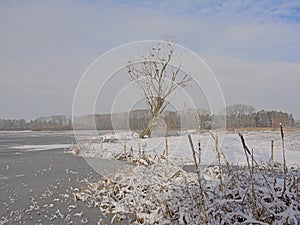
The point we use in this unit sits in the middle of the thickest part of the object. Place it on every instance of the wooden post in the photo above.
(131, 151)
(217, 147)
(272, 150)
(199, 152)
(297, 185)
(125, 146)
(193, 150)
(167, 148)
(101, 143)
(139, 148)
(91, 140)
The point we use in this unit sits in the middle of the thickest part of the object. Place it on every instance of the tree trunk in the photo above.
(148, 129)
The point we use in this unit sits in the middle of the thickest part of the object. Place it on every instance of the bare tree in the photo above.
(157, 78)
(240, 109)
(239, 115)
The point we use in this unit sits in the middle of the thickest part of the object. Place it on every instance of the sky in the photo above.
(253, 47)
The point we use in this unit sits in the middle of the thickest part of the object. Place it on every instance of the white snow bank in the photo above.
(40, 147)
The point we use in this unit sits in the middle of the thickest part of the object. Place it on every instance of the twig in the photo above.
(215, 137)
(199, 156)
(194, 153)
(200, 185)
(284, 161)
(252, 185)
(125, 145)
(244, 144)
(229, 167)
(297, 191)
(219, 162)
(246, 150)
(167, 148)
(201, 191)
(243, 199)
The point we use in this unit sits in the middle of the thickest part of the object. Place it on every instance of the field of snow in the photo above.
(179, 146)
(156, 189)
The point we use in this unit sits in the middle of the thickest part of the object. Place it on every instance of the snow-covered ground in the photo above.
(179, 147)
(160, 191)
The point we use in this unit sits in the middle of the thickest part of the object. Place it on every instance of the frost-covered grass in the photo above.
(165, 194)
(159, 191)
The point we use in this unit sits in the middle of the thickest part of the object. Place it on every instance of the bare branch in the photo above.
(156, 77)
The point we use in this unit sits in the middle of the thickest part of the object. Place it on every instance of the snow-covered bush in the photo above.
(165, 194)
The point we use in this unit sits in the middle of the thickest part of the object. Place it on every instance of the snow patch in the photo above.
(41, 147)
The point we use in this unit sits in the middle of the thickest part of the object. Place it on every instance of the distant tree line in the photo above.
(57, 122)
(237, 116)
(15, 124)
(245, 116)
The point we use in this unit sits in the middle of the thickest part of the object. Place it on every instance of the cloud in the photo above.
(47, 45)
